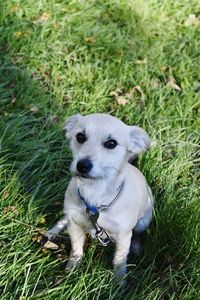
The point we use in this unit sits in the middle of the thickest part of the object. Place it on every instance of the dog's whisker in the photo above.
(118, 170)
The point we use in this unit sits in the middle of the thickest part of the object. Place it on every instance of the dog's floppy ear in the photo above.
(70, 124)
(138, 140)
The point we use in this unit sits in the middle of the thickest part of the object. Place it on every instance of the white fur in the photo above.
(133, 208)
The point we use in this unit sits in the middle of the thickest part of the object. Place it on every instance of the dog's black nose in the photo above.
(84, 166)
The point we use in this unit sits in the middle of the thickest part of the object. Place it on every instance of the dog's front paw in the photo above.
(50, 235)
(73, 262)
(120, 274)
(120, 270)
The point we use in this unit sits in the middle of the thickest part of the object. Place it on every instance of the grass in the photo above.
(58, 58)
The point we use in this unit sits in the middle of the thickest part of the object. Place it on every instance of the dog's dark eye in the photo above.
(81, 138)
(111, 144)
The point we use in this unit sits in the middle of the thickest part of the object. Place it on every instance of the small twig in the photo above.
(34, 228)
(27, 225)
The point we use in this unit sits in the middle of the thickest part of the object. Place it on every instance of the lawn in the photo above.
(137, 60)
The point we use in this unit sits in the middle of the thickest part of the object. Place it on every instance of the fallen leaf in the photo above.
(14, 99)
(165, 68)
(156, 83)
(34, 239)
(42, 18)
(89, 39)
(129, 95)
(124, 99)
(34, 109)
(5, 195)
(154, 144)
(53, 119)
(141, 61)
(172, 84)
(20, 34)
(50, 245)
(192, 20)
(62, 246)
(14, 8)
(9, 209)
(45, 251)
(17, 59)
(139, 90)
(41, 220)
(116, 93)
(121, 100)
(54, 24)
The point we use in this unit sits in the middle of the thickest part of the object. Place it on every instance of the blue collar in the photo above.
(89, 207)
(95, 209)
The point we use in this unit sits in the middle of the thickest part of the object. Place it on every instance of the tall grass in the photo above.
(62, 57)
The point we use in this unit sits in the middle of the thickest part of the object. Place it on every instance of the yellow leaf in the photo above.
(192, 20)
(20, 34)
(122, 100)
(42, 220)
(14, 8)
(42, 18)
(165, 68)
(89, 39)
(172, 84)
(139, 90)
(45, 15)
(54, 24)
(45, 251)
(116, 93)
(141, 61)
(5, 195)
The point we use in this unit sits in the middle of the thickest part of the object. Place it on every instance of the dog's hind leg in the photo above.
(138, 231)
(57, 228)
(120, 258)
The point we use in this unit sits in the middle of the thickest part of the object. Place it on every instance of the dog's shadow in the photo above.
(33, 146)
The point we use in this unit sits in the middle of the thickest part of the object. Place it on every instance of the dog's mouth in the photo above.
(86, 176)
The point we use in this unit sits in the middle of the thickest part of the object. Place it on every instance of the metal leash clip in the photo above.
(102, 236)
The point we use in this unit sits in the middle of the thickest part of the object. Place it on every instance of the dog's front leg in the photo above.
(77, 237)
(122, 249)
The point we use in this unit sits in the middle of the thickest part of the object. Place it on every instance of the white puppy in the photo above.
(107, 196)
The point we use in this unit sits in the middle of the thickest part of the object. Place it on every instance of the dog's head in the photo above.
(101, 144)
